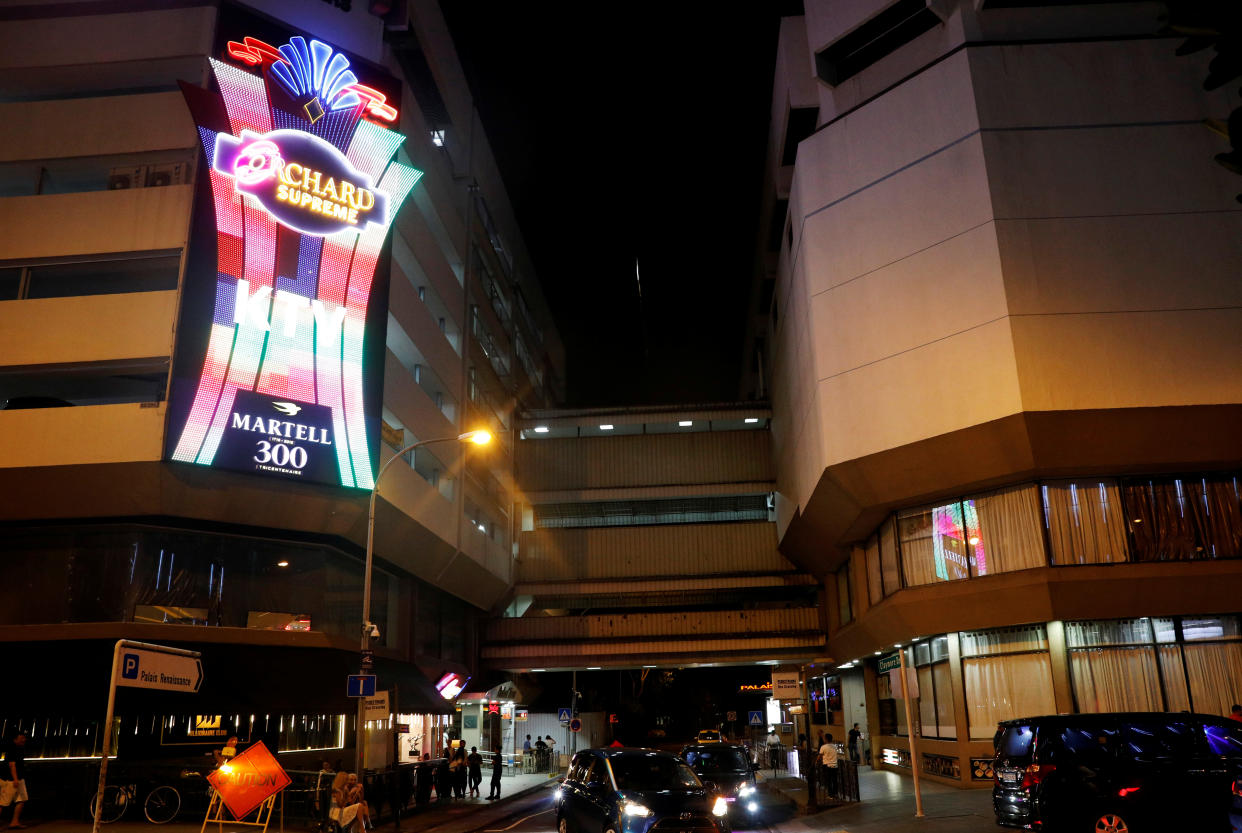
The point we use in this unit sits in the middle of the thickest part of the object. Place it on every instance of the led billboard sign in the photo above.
(275, 371)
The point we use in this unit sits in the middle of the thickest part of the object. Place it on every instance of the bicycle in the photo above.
(161, 805)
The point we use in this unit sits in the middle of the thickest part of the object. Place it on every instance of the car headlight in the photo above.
(640, 810)
(745, 790)
(720, 807)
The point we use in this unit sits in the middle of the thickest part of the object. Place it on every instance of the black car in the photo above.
(1118, 773)
(636, 791)
(728, 766)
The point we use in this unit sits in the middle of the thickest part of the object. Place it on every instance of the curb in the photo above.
(503, 816)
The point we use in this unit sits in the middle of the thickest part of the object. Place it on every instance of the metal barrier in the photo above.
(837, 785)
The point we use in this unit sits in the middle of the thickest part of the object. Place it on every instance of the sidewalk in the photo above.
(465, 815)
(887, 804)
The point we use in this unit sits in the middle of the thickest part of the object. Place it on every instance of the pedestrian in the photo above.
(323, 790)
(13, 773)
(350, 797)
(541, 754)
(828, 764)
(854, 736)
(497, 764)
(458, 770)
(1235, 712)
(423, 776)
(553, 763)
(444, 789)
(774, 743)
(475, 763)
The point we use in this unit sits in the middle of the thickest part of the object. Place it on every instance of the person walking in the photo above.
(828, 765)
(497, 764)
(553, 763)
(13, 783)
(474, 761)
(854, 736)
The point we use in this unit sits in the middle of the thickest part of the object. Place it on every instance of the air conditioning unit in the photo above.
(171, 173)
(122, 178)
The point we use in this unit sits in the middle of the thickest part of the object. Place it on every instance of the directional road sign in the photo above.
(575, 725)
(756, 719)
(141, 668)
(360, 685)
(564, 715)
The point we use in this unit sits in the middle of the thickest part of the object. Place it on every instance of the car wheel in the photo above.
(1111, 822)
(562, 825)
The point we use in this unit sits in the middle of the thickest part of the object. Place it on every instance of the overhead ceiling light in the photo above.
(686, 423)
(877, 653)
(282, 563)
(593, 667)
(605, 428)
(649, 666)
(533, 670)
(541, 429)
(751, 419)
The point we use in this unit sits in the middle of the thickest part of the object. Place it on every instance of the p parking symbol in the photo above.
(129, 666)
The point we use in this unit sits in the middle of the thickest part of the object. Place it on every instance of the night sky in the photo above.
(623, 132)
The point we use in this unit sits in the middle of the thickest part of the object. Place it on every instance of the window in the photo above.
(1213, 656)
(888, 558)
(1178, 519)
(1007, 674)
(931, 662)
(934, 543)
(1113, 666)
(1085, 521)
(649, 512)
(844, 600)
(875, 582)
(99, 275)
(883, 34)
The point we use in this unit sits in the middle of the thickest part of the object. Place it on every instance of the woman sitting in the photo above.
(347, 796)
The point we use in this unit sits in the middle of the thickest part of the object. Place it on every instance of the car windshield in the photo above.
(652, 772)
(717, 760)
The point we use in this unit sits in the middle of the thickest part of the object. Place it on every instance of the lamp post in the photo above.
(479, 437)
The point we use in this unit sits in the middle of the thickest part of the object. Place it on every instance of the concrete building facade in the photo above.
(998, 318)
(106, 537)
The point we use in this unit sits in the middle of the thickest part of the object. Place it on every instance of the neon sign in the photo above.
(304, 186)
(450, 685)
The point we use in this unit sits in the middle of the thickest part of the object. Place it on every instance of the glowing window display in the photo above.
(304, 187)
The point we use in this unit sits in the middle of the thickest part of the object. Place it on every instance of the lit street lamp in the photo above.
(479, 437)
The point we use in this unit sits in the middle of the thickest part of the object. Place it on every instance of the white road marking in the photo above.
(519, 821)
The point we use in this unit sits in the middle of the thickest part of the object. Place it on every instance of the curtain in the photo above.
(875, 582)
(917, 550)
(927, 703)
(1085, 521)
(1215, 672)
(888, 557)
(1162, 520)
(1004, 640)
(1099, 632)
(1116, 680)
(942, 679)
(935, 544)
(1008, 536)
(844, 608)
(1001, 688)
(1171, 669)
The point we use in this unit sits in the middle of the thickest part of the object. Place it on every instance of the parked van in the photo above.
(1119, 773)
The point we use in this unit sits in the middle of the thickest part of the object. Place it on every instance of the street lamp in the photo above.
(479, 437)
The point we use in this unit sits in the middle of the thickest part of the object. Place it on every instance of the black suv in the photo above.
(636, 791)
(1118, 773)
(729, 767)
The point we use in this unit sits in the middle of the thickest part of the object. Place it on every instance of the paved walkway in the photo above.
(887, 806)
(466, 815)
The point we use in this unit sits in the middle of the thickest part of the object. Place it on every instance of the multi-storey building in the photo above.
(150, 288)
(998, 316)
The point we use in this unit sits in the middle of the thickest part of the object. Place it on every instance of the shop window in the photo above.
(1185, 519)
(1007, 674)
(1085, 521)
(1007, 536)
(931, 661)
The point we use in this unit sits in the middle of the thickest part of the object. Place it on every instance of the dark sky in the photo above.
(632, 131)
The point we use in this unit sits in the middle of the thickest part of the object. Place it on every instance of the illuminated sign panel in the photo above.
(280, 342)
(450, 685)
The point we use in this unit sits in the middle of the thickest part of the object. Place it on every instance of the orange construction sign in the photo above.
(248, 780)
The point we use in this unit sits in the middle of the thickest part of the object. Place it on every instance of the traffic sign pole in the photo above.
(112, 685)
